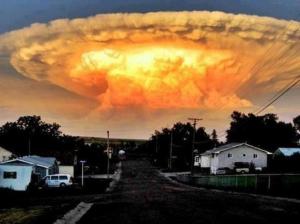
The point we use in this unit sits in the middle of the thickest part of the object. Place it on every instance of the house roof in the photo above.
(45, 162)
(222, 148)
(3, 149)
(287, 151)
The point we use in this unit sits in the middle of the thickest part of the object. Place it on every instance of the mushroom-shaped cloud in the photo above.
(182, 60)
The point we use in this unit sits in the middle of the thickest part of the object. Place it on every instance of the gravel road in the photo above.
(144, 196)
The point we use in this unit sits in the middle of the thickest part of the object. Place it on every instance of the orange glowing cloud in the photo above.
(154, 76)
(182, 60)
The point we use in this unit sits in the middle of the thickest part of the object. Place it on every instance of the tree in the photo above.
(263, 131)
(31, 135)
(297, 122)
(214, 138)
(182, 144)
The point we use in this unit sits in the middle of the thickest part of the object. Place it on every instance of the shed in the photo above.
(287, 152)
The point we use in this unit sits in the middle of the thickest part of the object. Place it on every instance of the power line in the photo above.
(279, 94)
(274, 98)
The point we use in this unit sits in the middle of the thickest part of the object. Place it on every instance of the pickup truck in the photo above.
(242, 170)
(241, 167)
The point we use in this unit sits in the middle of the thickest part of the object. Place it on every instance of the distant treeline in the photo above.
(30, 135)
(115, 141)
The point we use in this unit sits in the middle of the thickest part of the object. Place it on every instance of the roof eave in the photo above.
(232, 147)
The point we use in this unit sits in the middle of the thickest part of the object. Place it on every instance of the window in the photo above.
(54, 177)
(9, 175)
(254, 155)
(229, 155)
(63, 177)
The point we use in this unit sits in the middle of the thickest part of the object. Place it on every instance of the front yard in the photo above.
(46, 205)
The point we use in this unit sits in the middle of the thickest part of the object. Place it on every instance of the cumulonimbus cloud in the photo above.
(161, 60)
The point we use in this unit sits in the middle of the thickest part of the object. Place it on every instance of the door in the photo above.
(54, 182)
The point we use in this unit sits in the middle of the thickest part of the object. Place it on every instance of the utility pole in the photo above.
(195, 120)
(108, 154)
(171, 150)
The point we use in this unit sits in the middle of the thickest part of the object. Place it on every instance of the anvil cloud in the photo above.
(163, 61)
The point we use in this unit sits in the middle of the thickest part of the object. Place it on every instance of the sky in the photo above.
(136, 66)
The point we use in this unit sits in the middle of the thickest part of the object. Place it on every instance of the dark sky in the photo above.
(19, 13)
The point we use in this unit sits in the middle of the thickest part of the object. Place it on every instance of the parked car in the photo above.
(242, 170)
(258, 169)
(224, 170)
(242, 167)
(58, 180)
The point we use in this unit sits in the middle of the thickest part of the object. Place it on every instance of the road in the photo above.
(144, 196)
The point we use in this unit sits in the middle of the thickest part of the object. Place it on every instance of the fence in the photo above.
(278, 184)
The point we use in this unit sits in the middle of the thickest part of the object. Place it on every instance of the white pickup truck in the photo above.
(242, 170)
(241, 167)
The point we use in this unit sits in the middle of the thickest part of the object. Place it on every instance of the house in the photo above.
(287, 152)
(15, 177)
(227, 155)
(66, 169)
(197, 160)
(286, 160)
(5, 154)
(18, 173)
(42, 166)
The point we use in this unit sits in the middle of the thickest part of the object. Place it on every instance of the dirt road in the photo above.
(144, 196)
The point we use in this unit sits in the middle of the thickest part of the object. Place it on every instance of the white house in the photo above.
(66, 169)
(5, 154)
(15, 177)
(42, 166)
(18, 173)
(227, 155)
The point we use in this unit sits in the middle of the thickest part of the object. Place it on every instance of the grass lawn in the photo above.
(46, 205)
(20, 215)
(35, 215)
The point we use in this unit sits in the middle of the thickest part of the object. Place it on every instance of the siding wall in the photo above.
(205, 161)
(22, 180)
(66, 170)
(237, 156)
(214, 164)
